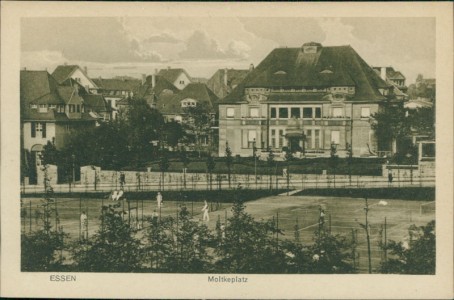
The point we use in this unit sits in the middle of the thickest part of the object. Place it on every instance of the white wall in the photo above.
(84, 81)
(184, 78)
(29, 142)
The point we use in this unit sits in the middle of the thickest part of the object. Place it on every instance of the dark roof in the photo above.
(330, 66)
(217, 82)
(61, 73)
(96, 103)
(117, 84)
(172, 74)
(390, 73)
(196, 91)
(161, 91)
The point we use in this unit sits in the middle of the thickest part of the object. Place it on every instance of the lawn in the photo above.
(295, 213)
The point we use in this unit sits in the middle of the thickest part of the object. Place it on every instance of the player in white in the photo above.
(205, 210)
(159, 199)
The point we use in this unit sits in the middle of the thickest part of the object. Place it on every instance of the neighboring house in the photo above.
(394, 78)
(418, 103)
(98, 107)
(49, 112)
(63, 74)
(306, 99)
(178, 77)
(225, 80)
(193, 96)
(156, 89)
(116, 89)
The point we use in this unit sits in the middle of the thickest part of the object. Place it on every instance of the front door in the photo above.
(294, 143)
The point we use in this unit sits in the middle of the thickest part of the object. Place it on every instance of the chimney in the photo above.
(25, 68)
(251, 67)
(86, 70)
(383, 73)
(168, 67)
(144, 78)
(225, 76)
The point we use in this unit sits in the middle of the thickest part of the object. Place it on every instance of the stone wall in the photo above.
(51, 174)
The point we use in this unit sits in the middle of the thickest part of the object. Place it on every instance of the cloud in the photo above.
(200, 46)
(102, 40)
(162, 38)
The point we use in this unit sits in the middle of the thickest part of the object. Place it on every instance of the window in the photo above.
(254, 112)
(273, 113)
(33, 106)
(61, 108)
(317, 138)
(42, 108)
(295, 112)
(365, 112)
(309, 139)
(251, 138)
(273, 138)
(181, 81)
(335, 137)
(52, 106)
(307, 112)
(38, 130)
(283, 113)
(72, 108)
(318, 112)
(230, 112)
(281, 138)
(78, 108)
(337, 112)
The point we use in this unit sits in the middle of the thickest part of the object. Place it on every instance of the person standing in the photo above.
(159, 199)
(84, 225)
(322, 216)
(206, 217)
(390, 177)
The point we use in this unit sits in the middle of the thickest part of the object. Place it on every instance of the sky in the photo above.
(134, 46)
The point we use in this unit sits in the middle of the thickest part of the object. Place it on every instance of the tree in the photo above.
(423, 121)
(210, 167)
(228, 162)
(39, 248)
(173, 133)
(391, 127)
(50, 155)
(112, 249)
(249, 246)
(197, 120)
(160, 244)
(414, 257)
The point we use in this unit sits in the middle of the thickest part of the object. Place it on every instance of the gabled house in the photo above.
(394, 78)
(195, 96)
(64, 74)
(49, 113)
(98, 107)
(178, 77)
(307, 100)
(156, 89)
(225, 80)
(116, 89)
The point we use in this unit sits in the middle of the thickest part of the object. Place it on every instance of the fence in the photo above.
(153, 181)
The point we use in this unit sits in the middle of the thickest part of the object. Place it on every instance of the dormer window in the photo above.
(326, 71)
(280, 73)
(43, 108)
(34, 106)
(311, 47)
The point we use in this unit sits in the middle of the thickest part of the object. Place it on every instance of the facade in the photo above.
(49, 113)
(224, 81)
(116, 89)
(305, 99)
(178, 77)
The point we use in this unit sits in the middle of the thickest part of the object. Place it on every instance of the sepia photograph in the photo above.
(217, 147)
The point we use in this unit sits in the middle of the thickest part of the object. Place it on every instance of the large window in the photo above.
(251, 138)
(295, 112)
(43, 108)
(317, 138)
(273, 113)
(318, 112)
(230, 112)
(283, 112)
(273, 138)
(335, 137)
(307, 112)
